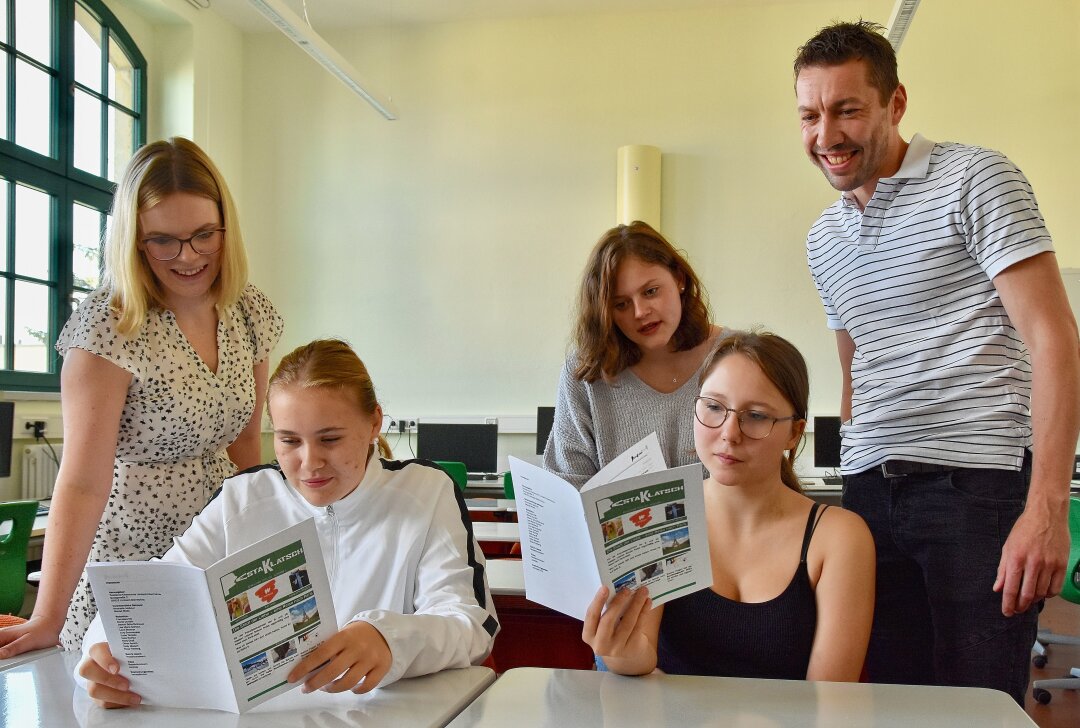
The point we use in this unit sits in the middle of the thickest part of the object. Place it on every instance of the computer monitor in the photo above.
(7, 421)
(475, 445)
(826, 442)
(545, 419)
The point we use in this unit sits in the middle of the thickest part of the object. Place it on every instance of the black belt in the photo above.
(900, 468)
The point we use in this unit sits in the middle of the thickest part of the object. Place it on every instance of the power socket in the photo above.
(402, 426)
(38, 427)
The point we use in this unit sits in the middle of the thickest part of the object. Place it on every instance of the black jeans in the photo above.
(939, 535)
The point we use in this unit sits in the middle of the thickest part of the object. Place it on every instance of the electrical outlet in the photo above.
(35, 426)
(38, 427)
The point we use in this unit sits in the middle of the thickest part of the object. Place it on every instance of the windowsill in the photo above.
(15, 395)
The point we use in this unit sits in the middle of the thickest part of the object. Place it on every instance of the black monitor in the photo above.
(826, 442)
(7, 421)
(545, 419)
(475, 445)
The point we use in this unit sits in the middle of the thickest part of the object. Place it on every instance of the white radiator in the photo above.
(39, 470)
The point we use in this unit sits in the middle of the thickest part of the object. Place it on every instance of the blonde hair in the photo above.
(156, 171)
(783, 365)
(329, 363)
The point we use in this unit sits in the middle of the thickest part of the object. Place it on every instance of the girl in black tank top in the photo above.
(749, 420)
(705, 633)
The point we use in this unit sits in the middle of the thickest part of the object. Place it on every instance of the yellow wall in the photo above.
(447, 245)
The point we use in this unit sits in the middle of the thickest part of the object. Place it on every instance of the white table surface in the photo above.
(42, 694)
(531, 696)
(496, 531)
(506, 576)
(491, 504)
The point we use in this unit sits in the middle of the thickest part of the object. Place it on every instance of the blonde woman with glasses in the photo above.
(164, 376)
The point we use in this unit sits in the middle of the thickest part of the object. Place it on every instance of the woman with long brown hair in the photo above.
(642, 332)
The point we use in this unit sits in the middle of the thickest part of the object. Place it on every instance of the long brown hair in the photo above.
(783, 365)
(602, 350)
(329, 363)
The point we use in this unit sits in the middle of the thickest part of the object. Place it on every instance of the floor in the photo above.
(1063, 710)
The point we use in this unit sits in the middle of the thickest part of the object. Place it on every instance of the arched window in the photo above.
(72, 112)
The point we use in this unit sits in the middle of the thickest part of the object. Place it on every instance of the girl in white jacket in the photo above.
(406, 574)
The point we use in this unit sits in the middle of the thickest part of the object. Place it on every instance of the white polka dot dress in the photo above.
(177, 421)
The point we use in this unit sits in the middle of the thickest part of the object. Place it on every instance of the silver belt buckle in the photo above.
(885, 471)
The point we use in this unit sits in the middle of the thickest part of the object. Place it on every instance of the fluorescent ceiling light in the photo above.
(302, 35)
(902, 13)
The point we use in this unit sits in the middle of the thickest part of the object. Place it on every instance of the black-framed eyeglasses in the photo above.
(755, 425)
(166, 247)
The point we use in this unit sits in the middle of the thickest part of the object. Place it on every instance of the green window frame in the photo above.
(56, 185)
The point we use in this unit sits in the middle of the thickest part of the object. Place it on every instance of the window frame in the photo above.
(58, 176)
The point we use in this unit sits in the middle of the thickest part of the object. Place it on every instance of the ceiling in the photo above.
(339, 14)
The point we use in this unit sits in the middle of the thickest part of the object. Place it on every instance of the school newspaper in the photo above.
(224, 637)
(635, 523)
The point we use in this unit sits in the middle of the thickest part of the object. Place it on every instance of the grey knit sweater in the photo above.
(595, 423)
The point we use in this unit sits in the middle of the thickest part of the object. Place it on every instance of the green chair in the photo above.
(456, 471)
(508, 486)
(1070, 591)
(21, 515)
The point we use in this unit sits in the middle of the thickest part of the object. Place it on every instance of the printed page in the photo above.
(160, 625)
(560, 572)
(643, 457)
(650, 530)
(273, 606)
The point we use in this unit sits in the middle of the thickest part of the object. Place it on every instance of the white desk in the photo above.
(497, 531)
(496, 505)
(543, 697)
(506, 576)
(42, 694)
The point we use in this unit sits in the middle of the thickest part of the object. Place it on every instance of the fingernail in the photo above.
(113, 669)
(135, 699)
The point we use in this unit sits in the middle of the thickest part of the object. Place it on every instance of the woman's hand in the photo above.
(617, 632)
(357, 658)
(105, 685)
(35, 634)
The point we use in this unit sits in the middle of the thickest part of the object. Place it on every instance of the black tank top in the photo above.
(706, 634)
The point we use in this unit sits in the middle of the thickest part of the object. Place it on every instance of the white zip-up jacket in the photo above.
(399, 552)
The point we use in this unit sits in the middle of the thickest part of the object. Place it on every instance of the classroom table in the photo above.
(545, 697)
(42, 694)
(504, 532)
(506, 577)
(495, 505)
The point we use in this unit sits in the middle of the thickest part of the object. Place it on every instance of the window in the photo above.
(72, 112)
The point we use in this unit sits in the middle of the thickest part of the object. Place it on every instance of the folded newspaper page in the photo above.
(224, 637)
(633, 524)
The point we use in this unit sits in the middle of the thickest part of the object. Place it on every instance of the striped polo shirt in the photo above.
(939, 373)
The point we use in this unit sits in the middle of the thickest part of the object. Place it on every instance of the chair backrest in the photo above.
(508, 486)
(1071, 588)
(456, 471)
(21, 515)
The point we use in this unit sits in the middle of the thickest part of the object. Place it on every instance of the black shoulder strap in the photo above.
(811, 525)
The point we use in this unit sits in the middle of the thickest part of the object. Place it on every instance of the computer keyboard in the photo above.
(832, 480)
(483, 476)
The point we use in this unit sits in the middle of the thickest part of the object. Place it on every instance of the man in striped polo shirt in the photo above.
(961, 391)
